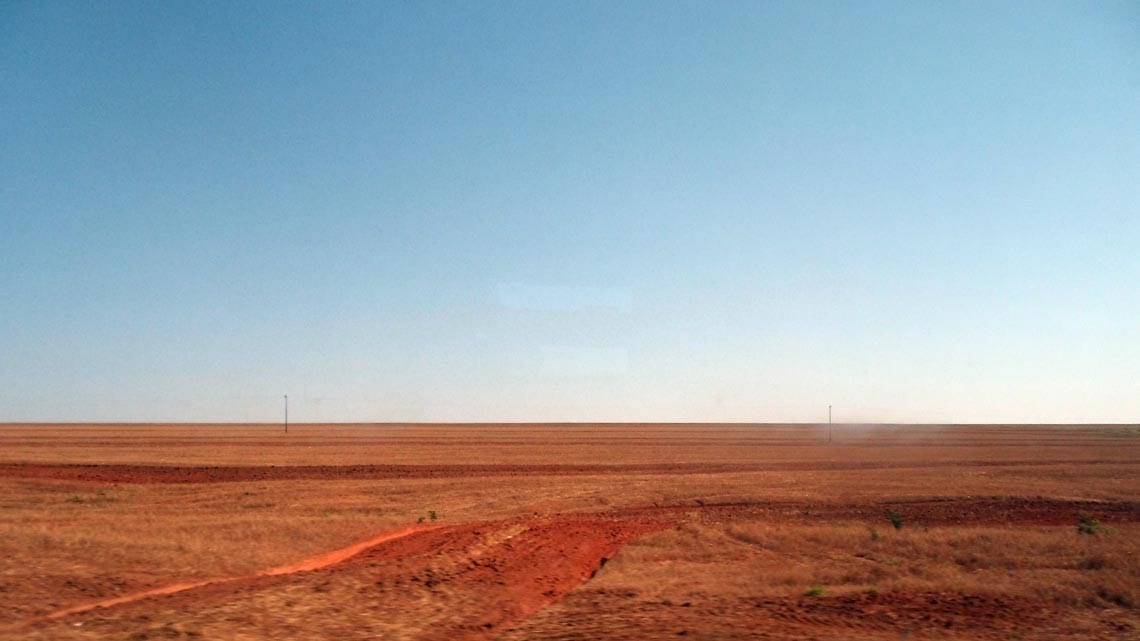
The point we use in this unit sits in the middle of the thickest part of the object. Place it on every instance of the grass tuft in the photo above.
(1088, 526)
(895, 518)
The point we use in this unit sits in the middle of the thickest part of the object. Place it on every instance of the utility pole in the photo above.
(286, 413)
(829, 424)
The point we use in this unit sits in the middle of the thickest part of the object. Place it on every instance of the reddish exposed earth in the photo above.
(509, 569)
(550, 573)
(150, 474)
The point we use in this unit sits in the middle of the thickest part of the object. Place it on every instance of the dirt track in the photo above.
(307, 565)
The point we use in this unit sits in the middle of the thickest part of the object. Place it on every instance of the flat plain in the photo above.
(569, 531)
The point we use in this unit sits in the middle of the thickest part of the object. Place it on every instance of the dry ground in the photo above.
(569, 532)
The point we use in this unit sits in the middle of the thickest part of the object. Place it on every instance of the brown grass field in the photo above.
(575, 531)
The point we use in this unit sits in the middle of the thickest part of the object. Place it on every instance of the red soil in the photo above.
(541, 560)
(505, 582)
(494, 575)
(150, 474)
(933, 511)
(510, 569)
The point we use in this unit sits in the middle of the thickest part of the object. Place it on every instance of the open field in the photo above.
(569, 532)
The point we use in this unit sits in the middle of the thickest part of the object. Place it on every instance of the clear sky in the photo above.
(573, 211)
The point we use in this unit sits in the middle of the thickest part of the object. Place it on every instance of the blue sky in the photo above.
(570, 211)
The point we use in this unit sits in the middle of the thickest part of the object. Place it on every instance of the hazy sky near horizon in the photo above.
(570, 211)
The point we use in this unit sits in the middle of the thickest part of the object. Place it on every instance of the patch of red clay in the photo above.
(492, 575)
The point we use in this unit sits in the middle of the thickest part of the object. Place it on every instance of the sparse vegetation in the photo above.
(895, 518)
(749, 544)
(1088, 526)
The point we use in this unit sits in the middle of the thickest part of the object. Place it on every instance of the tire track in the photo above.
(307, 565)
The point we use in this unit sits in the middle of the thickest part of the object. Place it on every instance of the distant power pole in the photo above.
(829, 424)
(286, 413)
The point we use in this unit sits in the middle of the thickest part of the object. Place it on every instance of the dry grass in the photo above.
(1047, 563)
(63, 543)
(573, 444)
(761, 579)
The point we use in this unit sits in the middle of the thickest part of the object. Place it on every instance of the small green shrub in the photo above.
(895, 518)
(814, 591)
(432, 515)
(1088, 526)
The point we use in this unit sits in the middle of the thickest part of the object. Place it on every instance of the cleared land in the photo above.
(569, 532)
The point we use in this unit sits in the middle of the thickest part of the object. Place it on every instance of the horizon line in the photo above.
(558, 423)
